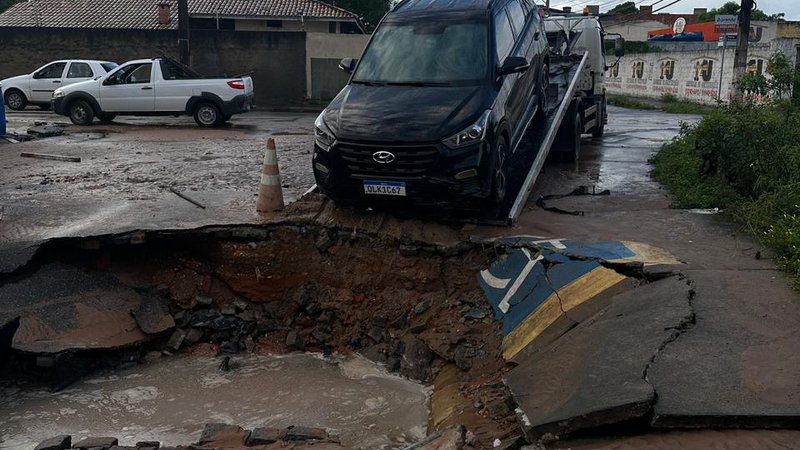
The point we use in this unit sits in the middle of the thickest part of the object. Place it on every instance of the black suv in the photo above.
(440, 99)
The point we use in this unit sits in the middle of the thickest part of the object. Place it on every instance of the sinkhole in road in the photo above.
(251, 325)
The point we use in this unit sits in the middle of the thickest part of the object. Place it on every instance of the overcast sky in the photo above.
(790, 7)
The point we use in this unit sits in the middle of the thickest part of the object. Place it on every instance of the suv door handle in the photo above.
(147, 88)
(56, 81)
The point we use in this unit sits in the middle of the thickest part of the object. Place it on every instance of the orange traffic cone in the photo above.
(270, 194)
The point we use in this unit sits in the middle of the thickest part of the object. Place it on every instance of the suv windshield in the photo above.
(433, 53)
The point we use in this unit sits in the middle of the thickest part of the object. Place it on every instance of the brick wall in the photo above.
(277, 58)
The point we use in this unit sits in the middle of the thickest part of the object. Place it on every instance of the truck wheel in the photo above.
(207, 115)
(498, 172)
(570, 136)
(600, 128)
(16, 100)
(81, 113)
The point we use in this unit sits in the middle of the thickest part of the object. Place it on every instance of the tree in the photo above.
(732, 9)
(623, 8)
(5, 4)
(370, 11)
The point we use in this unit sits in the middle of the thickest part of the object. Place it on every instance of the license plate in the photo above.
(385, 188)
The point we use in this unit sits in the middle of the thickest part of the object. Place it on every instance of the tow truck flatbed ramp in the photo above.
(524, 165)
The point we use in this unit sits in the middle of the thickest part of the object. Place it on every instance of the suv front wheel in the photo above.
(81, 113)
(498, 171)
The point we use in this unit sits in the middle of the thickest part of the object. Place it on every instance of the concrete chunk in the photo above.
(96, 443)
(595, 374)
(55, 443)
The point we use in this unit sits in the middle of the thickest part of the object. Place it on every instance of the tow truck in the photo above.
(576, 106)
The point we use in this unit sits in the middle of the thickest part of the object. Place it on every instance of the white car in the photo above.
(151, 87)
(37, 88)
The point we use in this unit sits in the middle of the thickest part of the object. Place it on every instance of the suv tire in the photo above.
(498, 173)
(81, 112)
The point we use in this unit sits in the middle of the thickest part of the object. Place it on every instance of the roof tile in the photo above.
(143, 14)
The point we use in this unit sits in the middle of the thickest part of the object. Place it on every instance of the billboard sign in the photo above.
(726, 24)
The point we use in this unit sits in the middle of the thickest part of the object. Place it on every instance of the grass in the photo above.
(668, 103)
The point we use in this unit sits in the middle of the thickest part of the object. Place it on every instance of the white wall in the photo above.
(695, 74)
(338, 46)
(636, 31)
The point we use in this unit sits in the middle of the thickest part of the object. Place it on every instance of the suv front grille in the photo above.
(410, 161)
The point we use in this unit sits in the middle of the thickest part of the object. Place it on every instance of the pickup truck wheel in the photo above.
(81, 113)
(207, 115)
(499, 178)
(16, 100)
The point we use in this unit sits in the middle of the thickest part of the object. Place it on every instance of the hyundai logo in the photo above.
(383, 157)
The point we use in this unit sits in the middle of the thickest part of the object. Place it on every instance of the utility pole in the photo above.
(183, 32)
(742, 43)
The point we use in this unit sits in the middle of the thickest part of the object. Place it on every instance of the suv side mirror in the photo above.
(514, 64)
(348, 65)
(619, 47)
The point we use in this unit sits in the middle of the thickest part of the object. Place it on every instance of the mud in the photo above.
(171, 399)
(413, 308)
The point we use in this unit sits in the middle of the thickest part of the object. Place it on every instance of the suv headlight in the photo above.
(470, 135)
(58, 93)
(323, 136)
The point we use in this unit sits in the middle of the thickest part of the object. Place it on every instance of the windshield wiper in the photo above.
(418, 83)
(369, 83)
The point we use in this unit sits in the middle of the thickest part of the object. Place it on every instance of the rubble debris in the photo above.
(152, 314)
(305, 434)
(62, 442)
(187, 198)
(44, 130)
(451, 438)
(96, 443)
(50, 157)
(223, 435)
(265, 436)
(176, 340)
(148, 444)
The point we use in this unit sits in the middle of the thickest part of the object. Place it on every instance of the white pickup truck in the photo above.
(150, 87)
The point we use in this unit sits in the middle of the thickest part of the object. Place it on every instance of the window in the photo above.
(172, 71)
(331, 27)
(517, 16)
(80, 70)
(132, 74)
(54, 70)
(503, 36)
(109, 66)
(274, 24)
(349, 28)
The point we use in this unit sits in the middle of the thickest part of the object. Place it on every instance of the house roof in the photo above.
(143, 14)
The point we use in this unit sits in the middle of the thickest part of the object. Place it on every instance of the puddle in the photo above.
(170, 400)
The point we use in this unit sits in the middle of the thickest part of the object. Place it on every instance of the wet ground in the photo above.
(170, 400)
(735, 364)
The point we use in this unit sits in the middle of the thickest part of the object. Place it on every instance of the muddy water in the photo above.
(170, 401)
